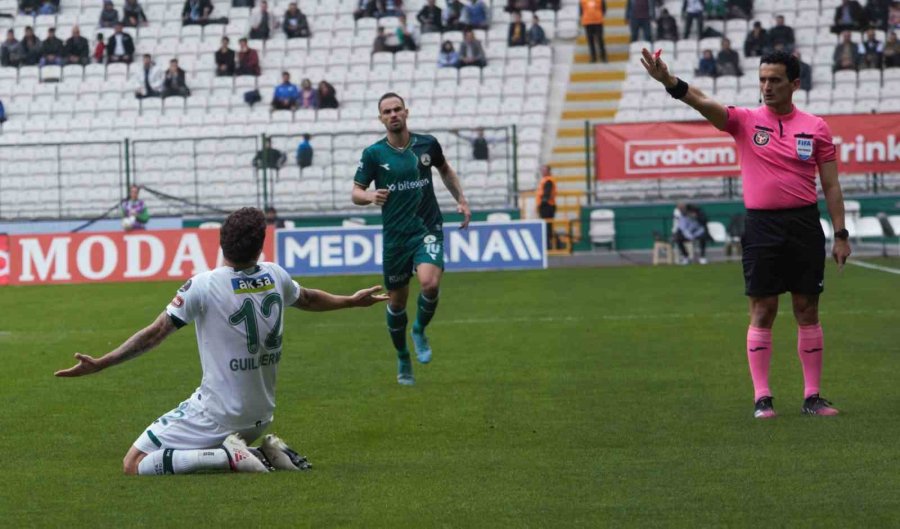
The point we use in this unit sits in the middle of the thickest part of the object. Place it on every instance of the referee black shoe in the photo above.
(816, 405)
(764, 409)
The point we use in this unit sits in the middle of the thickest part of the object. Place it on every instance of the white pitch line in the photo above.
(871, 266)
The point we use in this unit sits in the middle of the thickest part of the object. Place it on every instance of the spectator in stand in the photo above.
(29, 7)
(148, 79)
(517, 31)
(639, 13)
(666, 26)
(781, 37)
(448, 58)
(475, 15)
(757, 41)
(268, 157)
(308, 97)
(120, 47)
(77, 49)
(196, 12)
(364, 8)
(513, 6)
(225, 59)
(715, 10)
(892, 51)
(174, 83)
(871, 51)
(536, 34)
(471, 53)
(304, 152)
(707, 66)
(849, 16)
(52, 49)
(430, 18)
(480, 144)
(740, 9)
(385, 42)
(272, 218)
(407, 34)
(286, 94)
(48, 7)
(846, 54)
(390, 8)
(262, 22)
(877, 12)
(9, 50)
(453, 15)
(728, 62)
(99, 49)
(109, 17)
(592, 14)
(805, 72)
(2, 113)
(133, 14)
(692, 10)
(247, 60)
(295, 24)
(29, 48)
(327, 95)
(549, 4)
(134, 212)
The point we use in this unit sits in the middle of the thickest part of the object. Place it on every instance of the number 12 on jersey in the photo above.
(247, 315)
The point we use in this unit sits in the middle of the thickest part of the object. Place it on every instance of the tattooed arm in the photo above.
(141, 342)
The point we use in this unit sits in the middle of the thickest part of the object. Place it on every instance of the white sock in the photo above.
(170, 461)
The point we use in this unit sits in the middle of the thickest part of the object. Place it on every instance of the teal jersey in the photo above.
(411, 208)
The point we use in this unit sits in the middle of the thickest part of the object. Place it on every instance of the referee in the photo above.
(784, 246)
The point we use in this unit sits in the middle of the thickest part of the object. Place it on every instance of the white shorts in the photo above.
(188, 427)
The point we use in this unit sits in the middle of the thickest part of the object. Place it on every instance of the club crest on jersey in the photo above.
(178, 302)
(804, 148)
(252, 285)
(761, 138)
(425, 159)
(429, 239)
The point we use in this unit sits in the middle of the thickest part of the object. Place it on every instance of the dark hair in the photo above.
(388, 96)
(242, 235)
(791, 64)
(306, 136)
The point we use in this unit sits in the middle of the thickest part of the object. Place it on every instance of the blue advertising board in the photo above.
(515, 245)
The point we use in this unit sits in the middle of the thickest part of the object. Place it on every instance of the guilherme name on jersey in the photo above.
(254, 362)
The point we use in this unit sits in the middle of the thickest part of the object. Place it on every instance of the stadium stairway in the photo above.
(592, 95)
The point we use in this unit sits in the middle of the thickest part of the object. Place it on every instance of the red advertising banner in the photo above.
(4, 259)
(117, 256)
(865, 143)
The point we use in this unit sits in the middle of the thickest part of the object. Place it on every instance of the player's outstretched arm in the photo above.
(712, 110)
(834, 201)
(451, 181)
(364, 197)
(320, 301)
(141, 342)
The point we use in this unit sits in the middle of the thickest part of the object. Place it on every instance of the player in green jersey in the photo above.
(400, 165)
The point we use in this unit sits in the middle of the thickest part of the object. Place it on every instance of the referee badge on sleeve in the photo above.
(804, 148)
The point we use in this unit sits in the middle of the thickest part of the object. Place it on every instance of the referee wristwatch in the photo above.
(842, 234)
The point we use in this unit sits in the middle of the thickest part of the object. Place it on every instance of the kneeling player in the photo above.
(238, 309)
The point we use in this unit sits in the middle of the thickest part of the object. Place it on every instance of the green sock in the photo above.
(426, 312)
(396, 322)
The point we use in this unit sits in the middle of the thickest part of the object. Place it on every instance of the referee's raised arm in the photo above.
(712, 110)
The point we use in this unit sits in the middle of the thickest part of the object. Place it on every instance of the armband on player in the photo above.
(679, 90)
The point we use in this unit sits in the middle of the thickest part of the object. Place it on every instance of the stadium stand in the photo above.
(199, 148)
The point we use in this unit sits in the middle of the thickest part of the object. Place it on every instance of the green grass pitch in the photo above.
(615, 397)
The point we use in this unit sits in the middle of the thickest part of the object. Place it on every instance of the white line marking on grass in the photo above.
(871, 266)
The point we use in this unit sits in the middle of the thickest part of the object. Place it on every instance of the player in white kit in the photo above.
(238, 309)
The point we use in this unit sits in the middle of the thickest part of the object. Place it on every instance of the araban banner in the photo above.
(116, 256)
(4, 259)
(865, 143)
(483, 246)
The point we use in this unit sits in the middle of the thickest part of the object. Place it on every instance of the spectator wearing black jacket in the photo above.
(52, 49)
(174, 83)
(119, 46)
(29, 48)
(849, 16)
(9, 50)
(757, 42)
(77, 49)
(781, 37)
(224, 59)
(517, 31)
(666, 26)
(295, 24)
(327, 95)
(196, 12)
(109, 17)
(430, 18)
(805, 72)
(133, 14)
(878, 13)
(728, 62)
